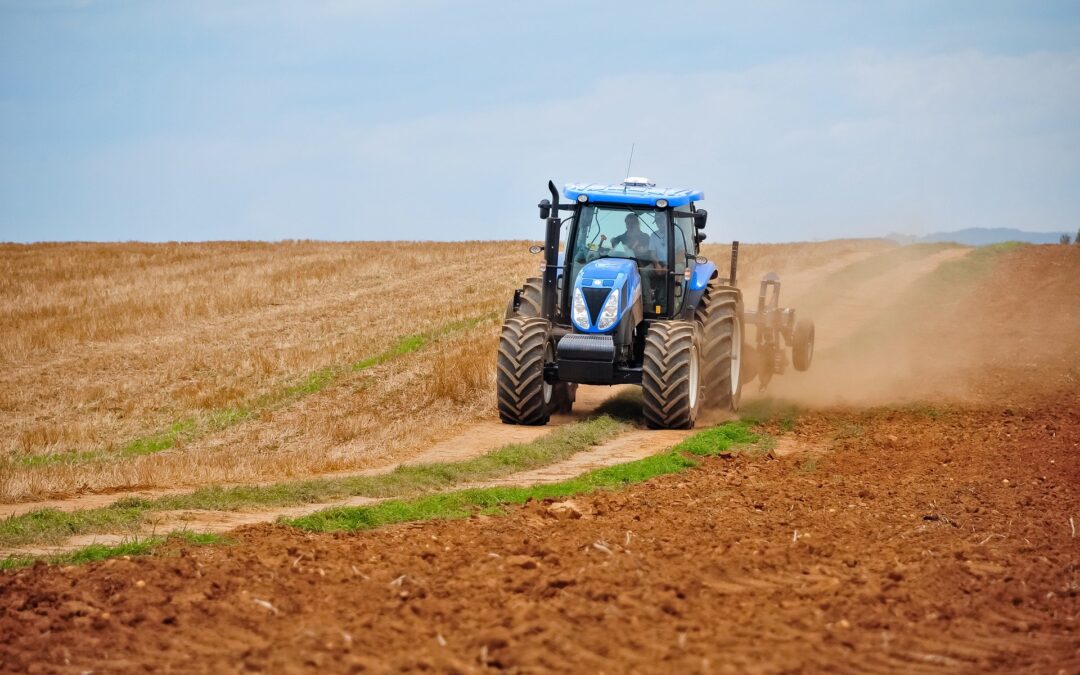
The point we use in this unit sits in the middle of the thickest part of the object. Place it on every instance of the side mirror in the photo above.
(545, 209)
(535, 248)
(699, 218)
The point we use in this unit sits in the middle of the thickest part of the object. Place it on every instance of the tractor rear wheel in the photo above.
(720, 319)
(530, 299)
(523, 395)
(670, 375)
(802, 344)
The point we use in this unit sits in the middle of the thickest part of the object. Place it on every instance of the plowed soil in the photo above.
(918, 541)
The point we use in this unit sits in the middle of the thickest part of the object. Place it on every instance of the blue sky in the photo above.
(325, 119)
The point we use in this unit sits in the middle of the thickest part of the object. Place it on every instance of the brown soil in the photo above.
(965, 558)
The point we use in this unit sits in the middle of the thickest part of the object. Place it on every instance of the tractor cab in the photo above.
(656, 229)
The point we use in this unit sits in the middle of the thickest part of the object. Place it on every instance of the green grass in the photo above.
(99, 552)
(192, 428)
(412, 343)
(127, 515)
(459, 504)
(464, 503)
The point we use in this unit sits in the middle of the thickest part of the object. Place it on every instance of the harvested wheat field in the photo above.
(344, 498)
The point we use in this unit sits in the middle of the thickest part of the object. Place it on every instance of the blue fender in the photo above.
(699, 281)
(701, 275)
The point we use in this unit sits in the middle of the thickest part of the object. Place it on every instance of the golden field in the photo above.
(165, 365)
(106, 344)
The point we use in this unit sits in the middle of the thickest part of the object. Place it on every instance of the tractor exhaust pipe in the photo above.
(551, 257)
(734, 262)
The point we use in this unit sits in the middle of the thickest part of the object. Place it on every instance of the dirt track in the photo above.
(964, 558)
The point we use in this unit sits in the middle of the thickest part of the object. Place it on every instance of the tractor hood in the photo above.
(597, 283)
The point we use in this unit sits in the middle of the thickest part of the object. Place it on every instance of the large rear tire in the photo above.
(523, 396)
(530, 299)
(720, 319)
(802, 345)
(671, 382)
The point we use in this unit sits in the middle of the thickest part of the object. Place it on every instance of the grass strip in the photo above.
(99, 552)
(52, 525)
(464, 503)
(192, 428)
(448, 505)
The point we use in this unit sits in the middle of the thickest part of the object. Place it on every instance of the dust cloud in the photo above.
(925, 324)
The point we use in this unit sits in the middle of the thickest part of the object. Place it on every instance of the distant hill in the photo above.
(982, 236)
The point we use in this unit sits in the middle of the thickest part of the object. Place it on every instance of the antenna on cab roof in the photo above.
(630, 161)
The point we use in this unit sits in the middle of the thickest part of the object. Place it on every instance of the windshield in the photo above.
(640, 234)
(613, 232)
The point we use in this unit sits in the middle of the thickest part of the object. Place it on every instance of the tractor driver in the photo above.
(636, 241)
(644, 251)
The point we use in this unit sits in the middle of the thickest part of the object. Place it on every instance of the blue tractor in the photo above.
(629, 300)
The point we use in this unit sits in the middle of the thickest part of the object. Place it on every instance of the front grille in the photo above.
(594, 300)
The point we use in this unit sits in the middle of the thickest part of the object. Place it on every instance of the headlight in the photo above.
(580, 313)
(609, 313)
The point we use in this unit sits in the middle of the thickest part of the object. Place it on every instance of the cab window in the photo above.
(684, 221)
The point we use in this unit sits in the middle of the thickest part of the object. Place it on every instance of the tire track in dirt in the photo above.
(841, 374)
(851, 307)
(475, 440)
(627, 447)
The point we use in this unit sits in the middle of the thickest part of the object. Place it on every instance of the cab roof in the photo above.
(637, 191)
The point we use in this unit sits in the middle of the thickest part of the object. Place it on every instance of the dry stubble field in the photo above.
(143, 366)
(918, 514)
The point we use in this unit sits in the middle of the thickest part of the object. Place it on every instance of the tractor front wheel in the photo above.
(524, 396)
(670, 375)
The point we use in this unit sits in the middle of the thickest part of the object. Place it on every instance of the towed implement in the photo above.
(625, 298)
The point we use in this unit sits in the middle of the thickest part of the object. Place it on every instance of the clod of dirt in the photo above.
(522, 561)
(566, 510)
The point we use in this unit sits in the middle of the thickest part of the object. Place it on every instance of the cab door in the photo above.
(682, 241)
